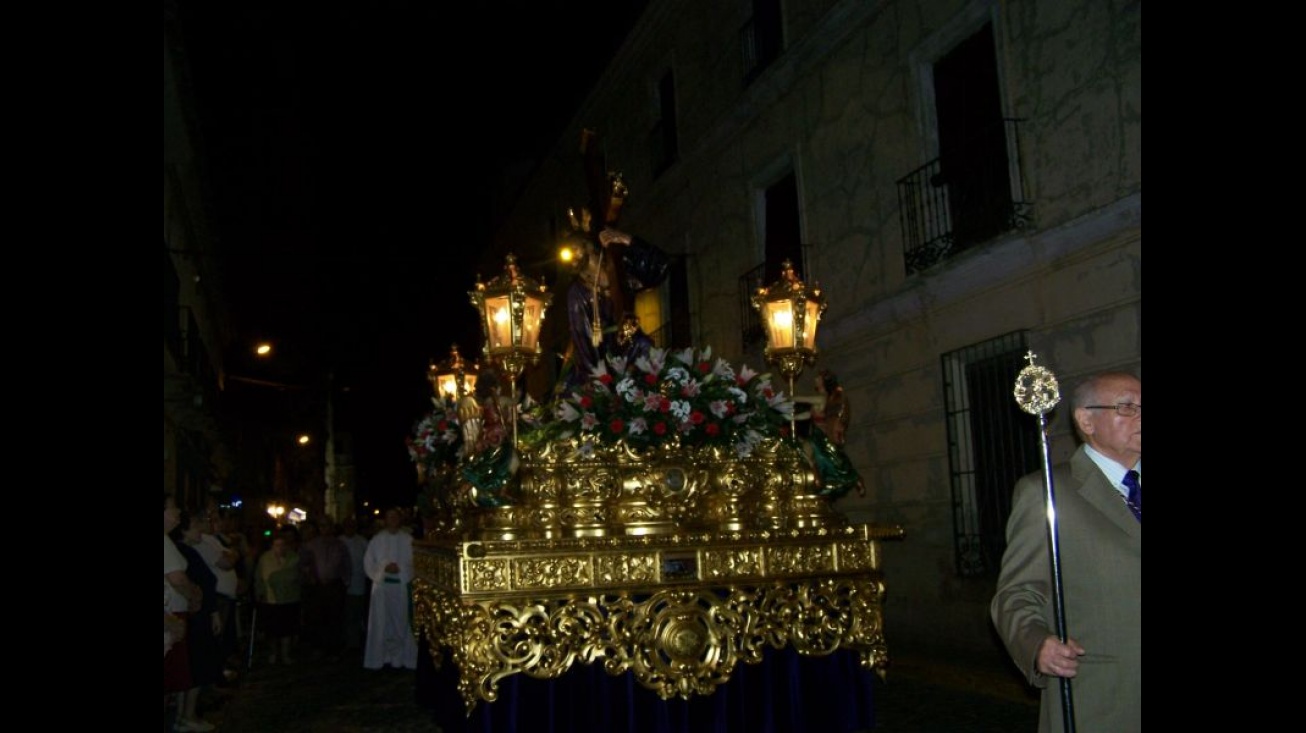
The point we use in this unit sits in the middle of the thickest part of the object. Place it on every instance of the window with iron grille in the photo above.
(991, 444)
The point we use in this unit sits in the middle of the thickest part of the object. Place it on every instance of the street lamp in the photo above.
(511, 307)
(790, 311)
(452, 379)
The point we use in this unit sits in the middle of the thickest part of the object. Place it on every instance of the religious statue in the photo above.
(824, 437)
(490, 459)
(611, 266)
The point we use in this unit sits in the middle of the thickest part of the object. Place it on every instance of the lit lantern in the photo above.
(790, 313)
(453, 378)
(512, 307)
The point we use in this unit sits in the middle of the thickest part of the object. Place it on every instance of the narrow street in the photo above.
(317, 697)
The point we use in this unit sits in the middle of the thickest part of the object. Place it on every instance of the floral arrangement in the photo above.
(436, 438)
(671, 397)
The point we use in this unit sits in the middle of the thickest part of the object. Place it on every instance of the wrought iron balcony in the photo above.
(968, 195)
(749, 283)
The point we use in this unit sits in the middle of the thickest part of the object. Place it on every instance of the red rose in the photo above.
(586, 402)
(660, 428)
(442, 426)
(704, 367)
(712, 429)
(616, 425)
(650, 379)
(665, 406)
(696, 417)
(605, 378)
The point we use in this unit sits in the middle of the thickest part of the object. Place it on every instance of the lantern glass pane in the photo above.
(780, 324)
(498, 322)
(534, 313)
(448, 386)
(809, 324)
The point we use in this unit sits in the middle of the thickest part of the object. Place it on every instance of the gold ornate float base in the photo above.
(678, 611)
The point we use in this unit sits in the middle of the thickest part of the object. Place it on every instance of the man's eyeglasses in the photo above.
(1124, 409)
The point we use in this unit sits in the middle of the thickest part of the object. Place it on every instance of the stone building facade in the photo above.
(197, 449)
(964, 180)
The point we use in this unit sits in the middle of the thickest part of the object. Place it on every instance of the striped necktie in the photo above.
(1135, 498)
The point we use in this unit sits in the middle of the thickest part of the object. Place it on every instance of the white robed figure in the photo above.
(389, 563)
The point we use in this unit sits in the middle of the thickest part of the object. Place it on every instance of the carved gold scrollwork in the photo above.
(675, 642)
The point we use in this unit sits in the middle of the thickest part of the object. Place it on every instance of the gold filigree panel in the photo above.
(488, 574)
(552, 572)
(612, 569)
(854, 556)
(732, 563)
(799, 559)
(676, 642)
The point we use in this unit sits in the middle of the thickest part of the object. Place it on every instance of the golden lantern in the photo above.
(790, 312)
(453, 378)
(512, 307)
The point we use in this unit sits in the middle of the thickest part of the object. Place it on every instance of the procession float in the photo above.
(657, 515)
(660, 518)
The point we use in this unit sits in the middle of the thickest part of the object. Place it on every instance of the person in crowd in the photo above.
(181, 598)
(174, 629)
(326, 567)
(222, 561)
(277, 591)
(1098, 510)
(356, 594)
(203, 627)
(389, 564)
(232, 533)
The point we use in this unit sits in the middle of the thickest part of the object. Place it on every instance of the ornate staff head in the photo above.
(1036, 388)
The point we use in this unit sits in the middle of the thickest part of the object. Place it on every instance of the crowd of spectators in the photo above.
(236, 597)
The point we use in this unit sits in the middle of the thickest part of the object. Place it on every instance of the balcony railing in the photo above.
(749, 283)
(968, 195)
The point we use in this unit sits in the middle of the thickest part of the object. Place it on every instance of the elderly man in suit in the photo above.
(1100, 547)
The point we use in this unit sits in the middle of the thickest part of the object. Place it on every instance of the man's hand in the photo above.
(1059, 660)
(609, 235)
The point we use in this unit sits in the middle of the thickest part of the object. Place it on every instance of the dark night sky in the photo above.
(353, 151)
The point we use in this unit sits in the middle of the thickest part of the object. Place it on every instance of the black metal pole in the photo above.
(1058, 600)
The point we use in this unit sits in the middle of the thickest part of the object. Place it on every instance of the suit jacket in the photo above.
(1100, 546)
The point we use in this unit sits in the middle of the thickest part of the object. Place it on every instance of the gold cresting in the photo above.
(674, 565)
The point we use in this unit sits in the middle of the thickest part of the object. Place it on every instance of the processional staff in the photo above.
(1037, 393)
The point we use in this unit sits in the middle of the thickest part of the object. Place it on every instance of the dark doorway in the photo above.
(783, 241)
(972, 140)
